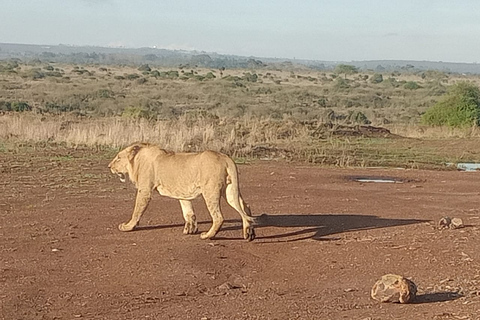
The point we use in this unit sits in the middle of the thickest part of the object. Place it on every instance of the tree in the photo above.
(346, 69)
(459, 108)
(377, 78)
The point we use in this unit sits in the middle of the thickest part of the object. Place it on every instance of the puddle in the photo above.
(373, 179)
(378, 180)
(466, 166)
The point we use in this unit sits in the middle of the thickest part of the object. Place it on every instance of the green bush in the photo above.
(137, 113)
(132, 76)
(34, 74)
(209, 76)
(377, 78)
(145, 67)
(105, 93)
(17, 106)
(250, 77)
(459, 108)
(411, 85)
(341, 83)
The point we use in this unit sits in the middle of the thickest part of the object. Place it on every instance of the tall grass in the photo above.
(184, 134)
(251, 138)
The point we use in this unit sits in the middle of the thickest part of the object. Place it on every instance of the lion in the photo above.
(182, 176)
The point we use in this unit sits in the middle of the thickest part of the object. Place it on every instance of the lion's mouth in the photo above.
(121, 176)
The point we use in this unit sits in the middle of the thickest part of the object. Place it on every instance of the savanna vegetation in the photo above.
(344, 116)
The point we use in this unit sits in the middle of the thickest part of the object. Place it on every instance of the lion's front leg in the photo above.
(141, 204)
(189, 216)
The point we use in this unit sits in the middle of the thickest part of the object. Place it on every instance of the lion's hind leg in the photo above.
(235, 200)
(213, 204)
(189, 216)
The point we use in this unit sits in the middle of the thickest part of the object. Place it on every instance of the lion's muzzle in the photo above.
(121, 175)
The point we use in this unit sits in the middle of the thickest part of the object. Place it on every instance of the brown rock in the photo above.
(394, 288)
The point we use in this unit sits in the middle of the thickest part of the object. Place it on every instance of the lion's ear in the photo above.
(133, 152)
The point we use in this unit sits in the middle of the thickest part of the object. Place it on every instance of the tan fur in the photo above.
(182, 176)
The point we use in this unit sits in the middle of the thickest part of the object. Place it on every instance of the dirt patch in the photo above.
(322, 242)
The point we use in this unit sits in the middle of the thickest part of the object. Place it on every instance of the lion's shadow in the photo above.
(309, 226)
(321, 226)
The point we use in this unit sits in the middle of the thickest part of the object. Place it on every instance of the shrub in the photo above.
(172, 74)
(377, 78)
(459, 108)
(341, 83)
(137, 113)
(358, 117)
(17, 106)
(209, 76)
(34, 74)
(411, 85)
(132, 76)
(105, 93)
(250, 77)
(54, 74)
(145, 67)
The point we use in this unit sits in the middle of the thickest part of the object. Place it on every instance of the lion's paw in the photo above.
(190, 228)
(249, 234)
(125, 227)
(204, 236)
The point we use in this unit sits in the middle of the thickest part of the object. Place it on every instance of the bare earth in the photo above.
(323, 240)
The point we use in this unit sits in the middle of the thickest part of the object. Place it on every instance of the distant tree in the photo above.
(377, 78)
(346, 69)
(144, 67)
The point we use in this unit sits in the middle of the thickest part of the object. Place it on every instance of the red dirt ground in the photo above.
(322, 242)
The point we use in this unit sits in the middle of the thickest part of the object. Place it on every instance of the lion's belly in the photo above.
(179, 193)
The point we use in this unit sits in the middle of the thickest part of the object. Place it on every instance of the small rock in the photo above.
(394, 288)
(225, 286)
(456, 223)
(445, 222)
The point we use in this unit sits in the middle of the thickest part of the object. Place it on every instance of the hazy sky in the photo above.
(437, 30)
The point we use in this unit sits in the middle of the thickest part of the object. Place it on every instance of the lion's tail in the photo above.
(233, 195)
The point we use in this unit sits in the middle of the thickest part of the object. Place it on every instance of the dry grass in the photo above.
(247, 138)
(177, 135)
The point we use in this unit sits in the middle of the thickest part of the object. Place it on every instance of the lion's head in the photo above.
(122, 164)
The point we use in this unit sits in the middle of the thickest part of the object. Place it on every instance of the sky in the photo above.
(336, 30)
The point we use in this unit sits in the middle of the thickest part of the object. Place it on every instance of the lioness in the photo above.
(182, 176)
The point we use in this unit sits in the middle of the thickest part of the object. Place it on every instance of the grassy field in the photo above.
(249, 114)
